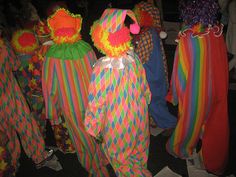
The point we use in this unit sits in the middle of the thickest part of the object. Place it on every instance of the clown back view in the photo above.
(117, 113)
(199, 85)
(149, 47)
(66, 74)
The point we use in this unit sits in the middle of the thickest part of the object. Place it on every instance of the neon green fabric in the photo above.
(69, 51)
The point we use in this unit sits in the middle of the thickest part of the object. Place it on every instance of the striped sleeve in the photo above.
(50, 93)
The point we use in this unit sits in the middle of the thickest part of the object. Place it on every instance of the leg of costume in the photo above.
(10, 150)
(157, 79)
(14, 110)
(27, 128)
(199, 86)
(215, 140)
(65, 85)
(36, 100)
(9, 143)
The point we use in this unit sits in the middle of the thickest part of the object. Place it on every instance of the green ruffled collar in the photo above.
(69, 51)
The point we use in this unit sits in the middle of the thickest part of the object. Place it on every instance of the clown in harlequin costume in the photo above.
(9, 143)
(66, 73)
(199, 85)
(36, 94)
(117, 112)
(149, 47)
(15, 114)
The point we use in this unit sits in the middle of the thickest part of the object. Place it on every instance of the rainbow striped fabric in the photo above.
(65, 87)
(199, 86)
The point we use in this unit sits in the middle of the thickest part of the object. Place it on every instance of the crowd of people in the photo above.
(102, 108)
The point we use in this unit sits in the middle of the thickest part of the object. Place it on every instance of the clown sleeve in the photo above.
(95, 112)
(144, 84)
(50, 93)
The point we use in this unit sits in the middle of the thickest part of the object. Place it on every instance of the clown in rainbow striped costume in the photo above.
(35, 94)
(66, 73)
(199, 86)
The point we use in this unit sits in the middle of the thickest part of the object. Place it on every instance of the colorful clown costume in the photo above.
(148, 46)
(15, 113)
(36, 100)
(24, 43)
(66, 73)
(34, 93)
(118, 111)
(9, 146)
(9, 149)
(149, 43)
(65, 84)
(199, 86)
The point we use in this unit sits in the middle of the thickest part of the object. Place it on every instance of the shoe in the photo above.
(48, 158)
(51, 161)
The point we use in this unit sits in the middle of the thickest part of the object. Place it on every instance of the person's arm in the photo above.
(95, 112)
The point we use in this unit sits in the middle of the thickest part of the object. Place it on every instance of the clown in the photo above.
(199, 85)
(66, 73)
(24, 43)
(16, 118)
(117, 112)
(35, 95)
(149, 47)
(9, 143)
